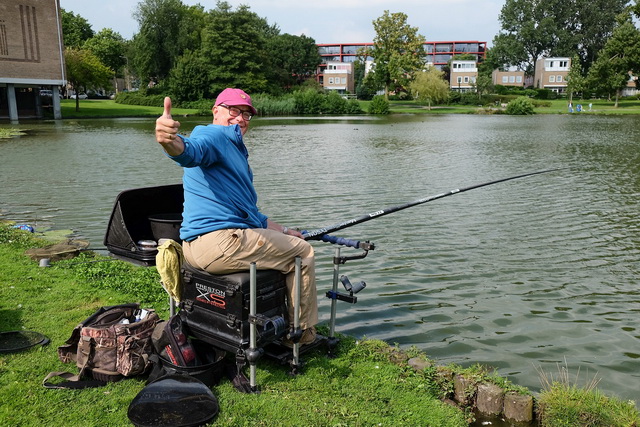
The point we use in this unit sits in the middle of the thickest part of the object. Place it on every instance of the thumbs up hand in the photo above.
(167, 130)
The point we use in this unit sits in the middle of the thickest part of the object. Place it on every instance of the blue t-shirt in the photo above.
(218, 182)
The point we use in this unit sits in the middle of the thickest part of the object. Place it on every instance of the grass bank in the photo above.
(368, 383)
(98, 108)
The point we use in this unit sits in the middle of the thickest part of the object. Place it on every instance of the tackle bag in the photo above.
(113, 343)
(178, 353)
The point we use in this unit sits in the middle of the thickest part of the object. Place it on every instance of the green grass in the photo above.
(368, 382)
(562, 403)
(556, 106)
(355, 388)
(94, 108)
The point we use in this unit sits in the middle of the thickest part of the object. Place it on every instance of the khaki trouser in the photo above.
(233, 250)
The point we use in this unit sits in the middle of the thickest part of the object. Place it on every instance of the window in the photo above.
(512, 79)
(552, 79)
(564, 64)
(344, 81)
(459, 79)
(466, 79)
(559, 79)
(444, 47)
(505, 79)
(330, 80)
(519, 79)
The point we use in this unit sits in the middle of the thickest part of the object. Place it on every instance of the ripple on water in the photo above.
(522, 275)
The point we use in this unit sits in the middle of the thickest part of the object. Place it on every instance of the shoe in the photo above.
(308, 337)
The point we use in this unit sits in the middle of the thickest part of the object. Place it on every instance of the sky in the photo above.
(327, 21)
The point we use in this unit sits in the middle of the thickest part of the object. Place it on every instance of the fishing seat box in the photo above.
(132, 220)
(215, 308)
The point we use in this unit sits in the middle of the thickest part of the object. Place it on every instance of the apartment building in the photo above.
(509, 78)
(463, 75)
(631, 89)
(438, 53)
(551, 73)
(31, 57)
(338, 76)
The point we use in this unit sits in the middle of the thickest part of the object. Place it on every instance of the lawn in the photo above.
(108, 108)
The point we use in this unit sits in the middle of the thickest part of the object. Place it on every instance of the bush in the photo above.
(520, 106)
(138, 98)
(379, 105)
(353, 107)
(545, 94)
(334, 104)
(469, 98)
(268, 105)
(308, 102)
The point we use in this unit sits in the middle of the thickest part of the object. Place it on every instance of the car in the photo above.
(46, 93)
(80, 96)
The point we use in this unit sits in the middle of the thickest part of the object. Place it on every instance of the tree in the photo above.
(85, 71)
(585, 26)
(75, 29)
(575, 78)
(620, 57)
(156, 46)
(527, 33)
(293, 58)
(533, 29)
(110, 48)
(188, 80)
(398, 51)
(430, 87)
(235, 46)
(483, 85)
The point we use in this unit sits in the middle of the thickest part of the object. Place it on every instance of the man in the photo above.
(222, 229)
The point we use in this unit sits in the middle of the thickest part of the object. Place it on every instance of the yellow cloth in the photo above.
(168, 262)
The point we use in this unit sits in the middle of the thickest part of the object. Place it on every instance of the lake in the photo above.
(529, 275)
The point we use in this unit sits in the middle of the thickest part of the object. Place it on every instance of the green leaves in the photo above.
(85, 71)
(429, 87)
(398, 51)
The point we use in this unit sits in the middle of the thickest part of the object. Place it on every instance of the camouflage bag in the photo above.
(113, 343)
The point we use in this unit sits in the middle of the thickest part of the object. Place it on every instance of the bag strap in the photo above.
(72, 381)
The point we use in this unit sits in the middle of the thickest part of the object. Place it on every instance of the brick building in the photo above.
(31, 58)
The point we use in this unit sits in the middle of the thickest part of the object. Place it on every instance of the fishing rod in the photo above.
(320, 232)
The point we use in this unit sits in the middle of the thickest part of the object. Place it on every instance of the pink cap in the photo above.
(234, 97)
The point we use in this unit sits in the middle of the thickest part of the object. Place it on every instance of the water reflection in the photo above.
(524, 274)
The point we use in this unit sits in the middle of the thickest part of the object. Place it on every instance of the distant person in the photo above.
(570, 107)
(223, 231)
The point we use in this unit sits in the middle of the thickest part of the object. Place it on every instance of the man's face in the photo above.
(227, 115)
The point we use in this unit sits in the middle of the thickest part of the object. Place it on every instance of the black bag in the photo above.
(178, 353)
(113, 343)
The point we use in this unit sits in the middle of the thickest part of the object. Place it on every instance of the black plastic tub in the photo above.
(166, 226)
